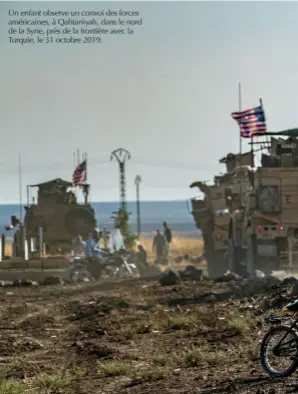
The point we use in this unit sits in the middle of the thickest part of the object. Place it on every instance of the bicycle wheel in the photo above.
(282, 361)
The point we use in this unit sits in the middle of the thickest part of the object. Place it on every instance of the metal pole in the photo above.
(40, 241)
(137, 182)
(20, 188)
(266, 136)
(86, 191)
(28, 199)
(85, 158)
(22, 225)
(240, 108)
(74, 167)
(240, 142)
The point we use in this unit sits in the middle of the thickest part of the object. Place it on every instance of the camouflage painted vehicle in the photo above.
(212, 213)
(59, 215)
(264, 233)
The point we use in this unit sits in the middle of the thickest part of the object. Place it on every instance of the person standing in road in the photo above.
(168, 235)
(159, 246)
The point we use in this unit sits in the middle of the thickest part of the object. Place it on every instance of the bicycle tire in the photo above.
(271, 372)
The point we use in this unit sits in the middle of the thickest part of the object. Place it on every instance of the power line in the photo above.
(40, 167)
(169, 165)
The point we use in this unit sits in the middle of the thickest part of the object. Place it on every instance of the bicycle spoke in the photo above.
(280, 358)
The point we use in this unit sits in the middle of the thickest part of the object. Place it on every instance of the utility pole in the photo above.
(20, 189)
(121, 155)
(137, 183)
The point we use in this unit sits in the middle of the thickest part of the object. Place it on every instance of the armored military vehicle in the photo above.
(263, 234)
(212, 213)
(59, 215)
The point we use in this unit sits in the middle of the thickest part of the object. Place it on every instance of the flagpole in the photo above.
(252, 158)
(85, 158)
(74, 166)
(252, 149)
(240, 138)
(240, 105)
(266, 136)
(86, 191)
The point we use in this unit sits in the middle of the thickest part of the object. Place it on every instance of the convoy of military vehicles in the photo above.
(248, 216)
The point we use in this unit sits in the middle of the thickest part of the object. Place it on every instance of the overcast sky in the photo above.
(165, 94)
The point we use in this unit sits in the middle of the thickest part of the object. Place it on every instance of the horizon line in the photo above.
(105, 201)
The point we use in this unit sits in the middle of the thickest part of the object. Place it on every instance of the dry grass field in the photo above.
(180, 246)
(8, 249)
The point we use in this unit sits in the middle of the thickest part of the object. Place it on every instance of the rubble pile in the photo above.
(173, 277)
(265, 291)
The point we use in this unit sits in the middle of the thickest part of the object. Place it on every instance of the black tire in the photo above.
(293, 359)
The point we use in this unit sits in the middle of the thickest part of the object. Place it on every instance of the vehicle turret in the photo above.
(59, 215)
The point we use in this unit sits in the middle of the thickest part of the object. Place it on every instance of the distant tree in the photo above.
(121, 219)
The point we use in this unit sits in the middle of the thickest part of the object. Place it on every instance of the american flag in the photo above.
(251, 121)
(80, 174)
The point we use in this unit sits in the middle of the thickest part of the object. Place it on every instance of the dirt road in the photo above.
(131, 337)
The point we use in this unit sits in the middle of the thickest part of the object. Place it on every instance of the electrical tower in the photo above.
(121, 155)
(137, 183)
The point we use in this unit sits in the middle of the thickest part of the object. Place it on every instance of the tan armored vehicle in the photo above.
(264, 233)
(58, 214)
(212, 213)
